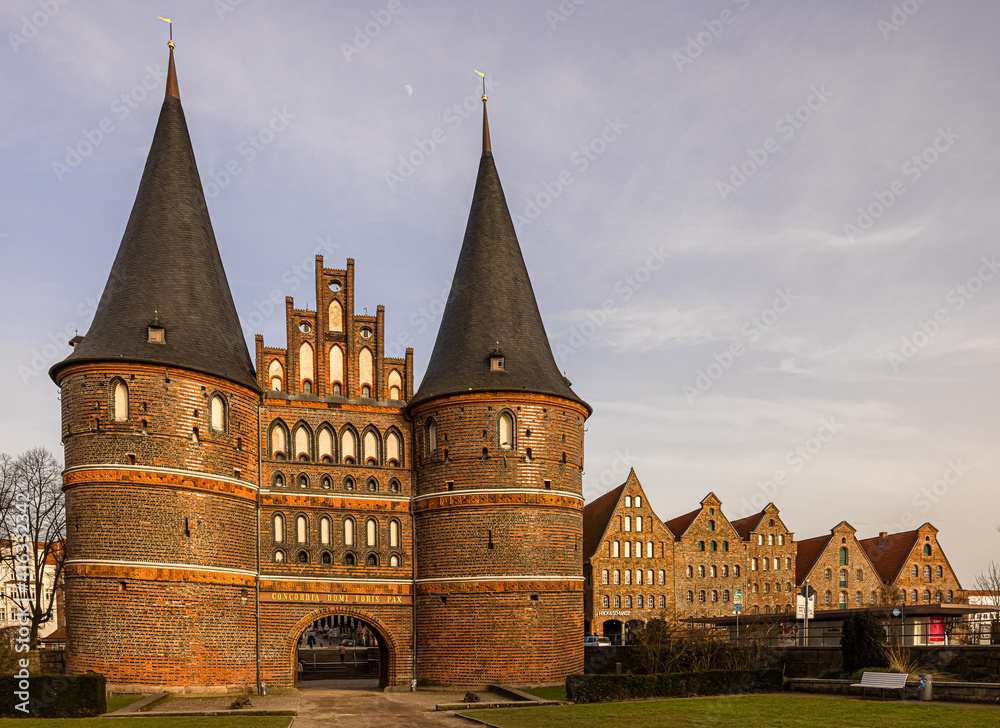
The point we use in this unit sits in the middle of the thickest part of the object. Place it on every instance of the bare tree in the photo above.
(34, 524)
(988, 582)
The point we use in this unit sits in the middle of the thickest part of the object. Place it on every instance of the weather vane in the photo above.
(169, 22)
(483, 75)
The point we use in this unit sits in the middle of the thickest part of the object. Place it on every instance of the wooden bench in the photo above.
(883, 681)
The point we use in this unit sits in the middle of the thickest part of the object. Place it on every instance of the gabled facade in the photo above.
(913, 567)
(628, 562)
(771, 555)
(710, 561)
(838, 568)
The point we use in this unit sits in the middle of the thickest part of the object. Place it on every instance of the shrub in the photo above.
(833, 674)
(862, 640)
(604, 688)
(54, 696)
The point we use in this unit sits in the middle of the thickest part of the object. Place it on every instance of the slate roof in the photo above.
(595, 519)
(889, 558)
(491, 304)
(168, 268)
(679, 525)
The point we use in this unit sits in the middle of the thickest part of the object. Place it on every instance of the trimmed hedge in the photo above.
(53, 696)
(604, 688)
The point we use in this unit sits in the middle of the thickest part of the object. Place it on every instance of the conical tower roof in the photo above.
(168, 271)
(491, 308)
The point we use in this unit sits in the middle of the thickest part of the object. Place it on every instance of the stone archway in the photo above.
(387, 648)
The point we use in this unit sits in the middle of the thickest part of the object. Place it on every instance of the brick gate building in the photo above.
(216, 509)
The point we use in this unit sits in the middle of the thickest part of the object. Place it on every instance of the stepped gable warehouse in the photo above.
(218, 511)
(692, 567)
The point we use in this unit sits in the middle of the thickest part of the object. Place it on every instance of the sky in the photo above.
(762, 235)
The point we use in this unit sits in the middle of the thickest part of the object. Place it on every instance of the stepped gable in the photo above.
(491, 309)
(595, 519)
(168, 272)
(889, 553)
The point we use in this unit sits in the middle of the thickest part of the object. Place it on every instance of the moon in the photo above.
(409, 90)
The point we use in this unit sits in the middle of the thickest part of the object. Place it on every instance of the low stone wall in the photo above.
(963, 692)
(605, 660)
(958, 659)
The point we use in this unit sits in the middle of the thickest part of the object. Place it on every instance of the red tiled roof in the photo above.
(745, 526)
(807, 554)
(595, 519)
(58, 636)
(681, 524)
(889, 558)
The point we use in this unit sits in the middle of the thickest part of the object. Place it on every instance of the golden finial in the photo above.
(483, 75)
(168, 21)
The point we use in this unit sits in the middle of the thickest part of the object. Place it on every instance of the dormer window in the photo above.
(155, 333)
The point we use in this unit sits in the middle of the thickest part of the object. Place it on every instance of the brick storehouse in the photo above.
(913, 566)
(215, 510)
(770, 552)
(628, 562)
(837, 567)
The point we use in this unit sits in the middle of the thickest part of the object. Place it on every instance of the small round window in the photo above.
(305, 327)
(334, 286)
(366, 333)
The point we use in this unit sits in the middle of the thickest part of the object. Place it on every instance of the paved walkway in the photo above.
(332, 708)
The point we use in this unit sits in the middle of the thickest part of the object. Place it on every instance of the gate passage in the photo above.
(339, 648)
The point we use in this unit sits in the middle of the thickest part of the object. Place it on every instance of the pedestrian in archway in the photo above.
(343, 652)
(311, 641)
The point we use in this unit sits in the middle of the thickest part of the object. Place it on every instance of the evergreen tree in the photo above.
(862, 641)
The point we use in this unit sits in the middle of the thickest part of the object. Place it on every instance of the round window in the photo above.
(305, 327)
(366, 333)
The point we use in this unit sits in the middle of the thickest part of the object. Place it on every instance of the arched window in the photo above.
(638, 501)
(873, 598)
(715, 595)
(701, 545)
(927, 572)
(843, 577)
(604, 576)
(303, 451)
(349, 483)
(336, 369)
(335, 317)
(638, 523)
(701, 595)
(828, 597)
(661, 577)
(913, 596)
(393, 455)
(753, 564)
(915, 571)
(927, 595)
(276, 375)
(303, 557)
(348, 446)
(628, 577)
(628, 602)
(348, 531)
(638, 577)
(372, 560)
(394, 560)
(690, 571)
(638, 549)
(615, 549)
(279, 556)
(306, 369)
(937, 596)
(303, 480)
(628, 549)
(371, 532)
(365, 369)
(736, 570)
(649, 549)
(324, 530)
(432, 436)
(327, 559)
(278, 480)
(349, 560)
(940, 572)
(951, 595)
(663, 602)
(927, 549)
(725, 595)
(725, 570)
(725, 545)
(394, 486)
(713, 546)
(326, 445)
(628, 501)
(371, 448)
(638, 602)
(506, 429)
(279, 528)
(301, 529)
(618, 577)
(690, 596)
(218, 410)
(843, 556)
(393, 534)
(278, 451)
(618, 602)
(395, 385)
(701, 570)
(627, 523)
(119, 401)
(712, 571)
(756, 587)
(649, 576)
(605, 601)
(827, 575)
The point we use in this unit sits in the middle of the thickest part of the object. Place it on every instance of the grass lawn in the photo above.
(187, 721)
(749, 711)
(552, 692)
(120, 701)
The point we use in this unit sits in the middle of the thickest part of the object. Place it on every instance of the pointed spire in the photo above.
(486, 121)
(167, 300)
(172, 89)
(491, 301)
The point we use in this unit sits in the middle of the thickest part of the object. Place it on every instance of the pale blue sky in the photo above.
(683, 176)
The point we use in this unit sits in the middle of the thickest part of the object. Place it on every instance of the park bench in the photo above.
(883, 681)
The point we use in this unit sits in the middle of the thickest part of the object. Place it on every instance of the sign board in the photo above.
(935, 631)
(738, 600)
(788, 635)
(800, 607)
